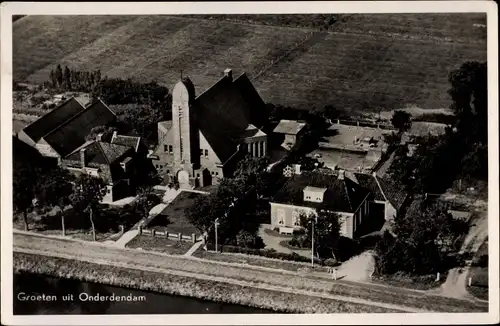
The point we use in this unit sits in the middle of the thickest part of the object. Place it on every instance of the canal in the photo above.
(41, 295)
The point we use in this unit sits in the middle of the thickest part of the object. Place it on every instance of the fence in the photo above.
(169, 235)
(363, 123)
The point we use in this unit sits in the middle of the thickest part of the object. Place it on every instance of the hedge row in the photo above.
(271, 253)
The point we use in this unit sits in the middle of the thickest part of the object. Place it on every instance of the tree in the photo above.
(59, 75)
(326, 232)
(146, 200)
(24, 180)
(142, 119)
(425, 237)
(87, 193)
(67, 78)
(55, 189)
(401, 120)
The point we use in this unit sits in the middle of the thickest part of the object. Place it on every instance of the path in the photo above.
(405, 299)
(195, 247)
(358, 268)
(455, 284)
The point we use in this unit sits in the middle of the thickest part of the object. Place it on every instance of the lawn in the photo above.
(423, 282)
(173, 247)
(258, 261)
(173, 217)
(363, 62)
(107, 221)
(479, 273)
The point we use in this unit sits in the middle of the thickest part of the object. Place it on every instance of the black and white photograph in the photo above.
(168, 163)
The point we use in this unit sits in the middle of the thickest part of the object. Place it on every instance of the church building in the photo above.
(211, 132)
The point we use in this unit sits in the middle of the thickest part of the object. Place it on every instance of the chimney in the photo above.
(341, 174)
(229, 74)
(297, 169)
(115, 133)
(83, 157)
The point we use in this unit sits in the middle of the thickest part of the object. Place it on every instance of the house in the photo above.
(291, 132)
(310, 191)
(62, 130)
(111, 162)
(211, 132)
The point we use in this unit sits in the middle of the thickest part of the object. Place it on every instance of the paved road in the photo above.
(380, 296)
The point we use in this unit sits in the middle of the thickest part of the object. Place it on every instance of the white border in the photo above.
(9, 9)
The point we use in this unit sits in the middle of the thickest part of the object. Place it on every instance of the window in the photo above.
(168, 171)
(170, 148)
(108, 191)
(308, 197)
(201, 152)
(281, 216)
(296, 218)
(318, 199)
(216, 173)
(198, 175)
(213, 172)
(206, 152)
(165, 148)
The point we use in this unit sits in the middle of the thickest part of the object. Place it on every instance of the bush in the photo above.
(331, 262)
(269, 253)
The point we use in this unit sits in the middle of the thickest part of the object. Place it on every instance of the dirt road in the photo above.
(381, 296)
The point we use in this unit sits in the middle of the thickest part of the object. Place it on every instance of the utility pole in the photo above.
(312, 244)
(216, 225)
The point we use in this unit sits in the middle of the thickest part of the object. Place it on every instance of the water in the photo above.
(55, 290)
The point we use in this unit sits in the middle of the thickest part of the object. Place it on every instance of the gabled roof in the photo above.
(130, 141)
(71, 134)
(289, 127)
(394, 193)
(250, 132)
(383, 189)
(98, 153)
(53, 119)
(341, 195)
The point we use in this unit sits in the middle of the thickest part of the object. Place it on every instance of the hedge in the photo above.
(271, 253)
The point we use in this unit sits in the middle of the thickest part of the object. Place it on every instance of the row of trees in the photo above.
(111, 90)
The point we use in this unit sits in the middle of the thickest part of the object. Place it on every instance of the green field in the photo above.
(361, 62)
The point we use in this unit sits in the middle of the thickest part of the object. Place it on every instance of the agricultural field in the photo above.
(363, 63)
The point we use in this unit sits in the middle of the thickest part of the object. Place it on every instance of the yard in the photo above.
(173, 217)
(173, 247)
(107, 222)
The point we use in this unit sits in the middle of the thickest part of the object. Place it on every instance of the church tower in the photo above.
(186, 134)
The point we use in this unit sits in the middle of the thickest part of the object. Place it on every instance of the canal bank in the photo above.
(252, 294)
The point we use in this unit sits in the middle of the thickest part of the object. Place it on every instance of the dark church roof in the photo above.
(71, 134)
(53, 119)
(341, 195)
(225, 110)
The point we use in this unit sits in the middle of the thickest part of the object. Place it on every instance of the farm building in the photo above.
(352, 148)
(210, 133)
(59, 132)
(61, 135)
(290, 131)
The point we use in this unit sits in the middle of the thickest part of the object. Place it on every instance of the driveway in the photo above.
(273, 242)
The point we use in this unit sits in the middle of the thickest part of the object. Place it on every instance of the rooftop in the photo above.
(341, 195)
(289, 127)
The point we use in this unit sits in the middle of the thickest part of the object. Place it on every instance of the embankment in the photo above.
(172, 284)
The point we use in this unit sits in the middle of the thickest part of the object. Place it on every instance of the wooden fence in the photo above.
(169, 235)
